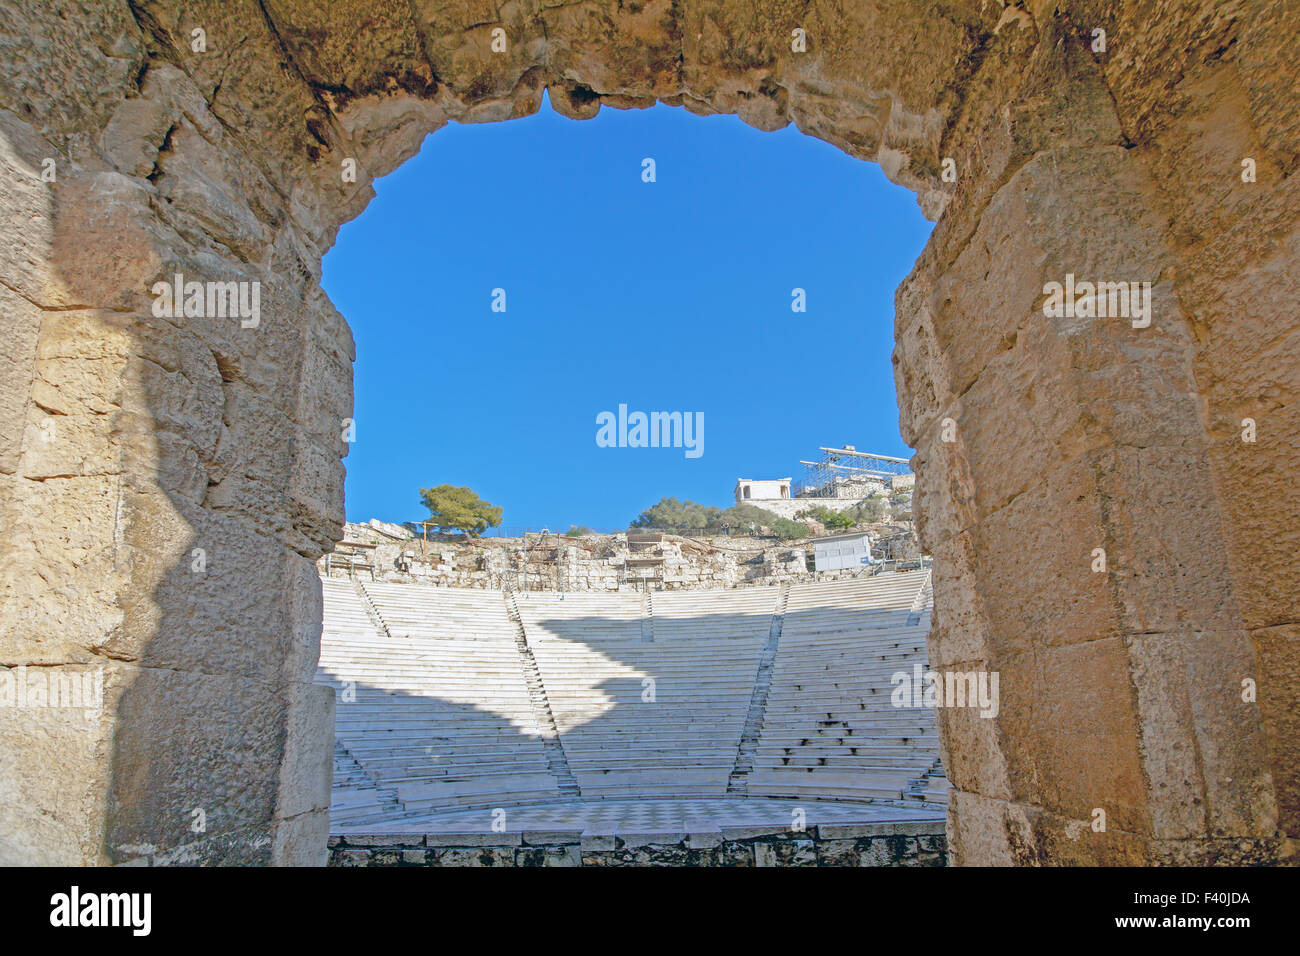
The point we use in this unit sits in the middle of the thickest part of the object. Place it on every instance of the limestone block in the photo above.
(884, 850)
(838, 853)
(471, 839)
(187, 742)
(1197, 730)
(1258, 536)
(44, 624)
(306, 768)
(1166, 578)
(1042, 544)
(973, 751)
(28, 201)
(1277, 663)
(200, 612)
(42, 820)
(785, 853)
(1077, 703)
(107, 241)
(732, 853)
(300, 840)
(548, 856)
(22, 322)
(960, 630)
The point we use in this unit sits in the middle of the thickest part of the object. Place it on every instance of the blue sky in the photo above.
(666, 296)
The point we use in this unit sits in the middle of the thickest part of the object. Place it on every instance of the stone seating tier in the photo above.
(441, 711)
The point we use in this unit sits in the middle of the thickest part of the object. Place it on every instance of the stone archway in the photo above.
(166, 482)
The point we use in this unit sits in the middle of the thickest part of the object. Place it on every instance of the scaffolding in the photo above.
(848, 473)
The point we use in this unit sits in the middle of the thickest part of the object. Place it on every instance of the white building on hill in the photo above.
(840, 481)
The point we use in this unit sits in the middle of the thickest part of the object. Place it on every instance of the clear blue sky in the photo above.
(665, 296)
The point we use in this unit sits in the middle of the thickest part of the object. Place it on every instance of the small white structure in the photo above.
(749, 491)
(840, 552)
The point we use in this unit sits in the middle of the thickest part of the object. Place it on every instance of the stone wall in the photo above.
(876, 844)
(167, 480)
(789, 507)
(1041, 440)
(591, 563)
(595, 562)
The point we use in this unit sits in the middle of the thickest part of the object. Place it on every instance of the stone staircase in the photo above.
(830, 730)
(441, 711)
(758, 701)
(647, 618)
(372, 612)
(924, 601)
(556, 760)
(931, 787)
(355, 799)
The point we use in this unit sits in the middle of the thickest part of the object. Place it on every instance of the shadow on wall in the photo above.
(161, 495)
(212, 756)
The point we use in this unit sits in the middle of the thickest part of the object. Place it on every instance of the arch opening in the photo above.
(167, 535)
(748, 215)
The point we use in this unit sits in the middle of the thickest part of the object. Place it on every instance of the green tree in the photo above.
(831, 520)
(577, 531)
(742, 516)
(453, 508)
(673, 515)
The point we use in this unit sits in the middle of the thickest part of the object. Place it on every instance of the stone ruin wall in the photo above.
(895, 505)
(131, 443)
(908, 844)
(590, 563)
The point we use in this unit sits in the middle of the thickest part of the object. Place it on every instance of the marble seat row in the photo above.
(830, 727)
(436, 710)
(646, 696)
(650, 712)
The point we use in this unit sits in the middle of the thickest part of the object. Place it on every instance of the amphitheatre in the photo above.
(609, 723)
(1108, 507)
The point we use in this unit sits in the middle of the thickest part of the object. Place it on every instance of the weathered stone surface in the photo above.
(399, 840)
(470, 839)
(344, 856)
(550, 837)
(475, 856)
(595, 562)
(598, 842)
(128, 441)
(785, 853)
(673, 850)
(569, 855)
